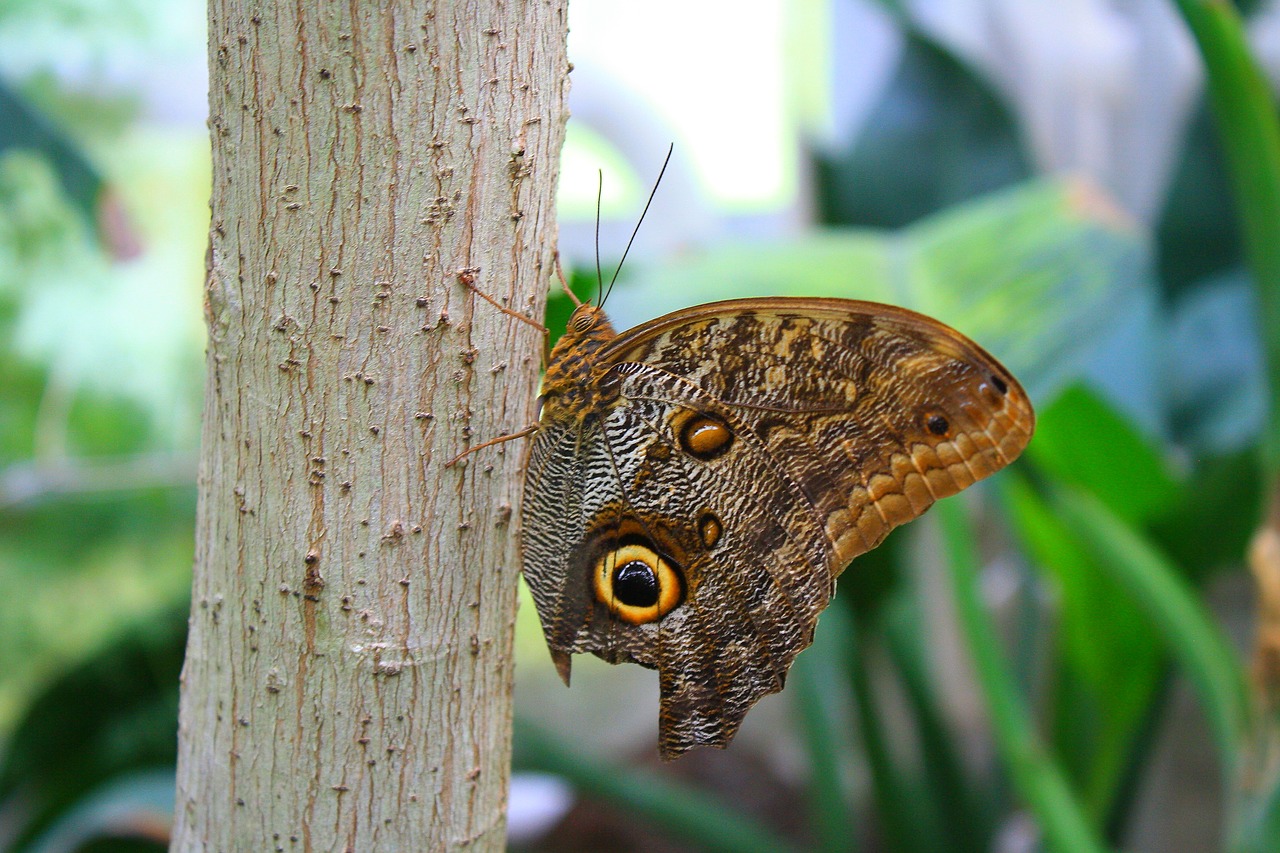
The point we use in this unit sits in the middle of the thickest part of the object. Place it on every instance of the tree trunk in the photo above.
(348, 673)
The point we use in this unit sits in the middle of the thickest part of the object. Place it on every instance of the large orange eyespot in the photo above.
(637, 584)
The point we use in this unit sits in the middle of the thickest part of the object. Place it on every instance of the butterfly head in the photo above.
(587, 318)
(588, 330)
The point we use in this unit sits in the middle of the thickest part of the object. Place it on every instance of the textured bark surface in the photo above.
(348, 673)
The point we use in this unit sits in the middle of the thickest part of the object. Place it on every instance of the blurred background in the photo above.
(1045, 177)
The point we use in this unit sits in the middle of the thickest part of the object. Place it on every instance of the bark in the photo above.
(348, 673)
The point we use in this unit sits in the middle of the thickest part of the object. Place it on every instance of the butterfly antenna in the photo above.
(599, 195)
(652, 193)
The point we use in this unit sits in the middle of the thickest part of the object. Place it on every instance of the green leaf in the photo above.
(133, 552)
(1211, 525)
(1108, 661)
(966, 810)
(58, 754)
(1216, 384)
(133, 805)
(955, 141)
(1249, 127)
(1154, 584)
(1250, 132)
(23, 127)
(1197, 235)
(1082, 440)
(902, 813)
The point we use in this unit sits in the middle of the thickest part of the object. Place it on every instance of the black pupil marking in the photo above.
(938, 425)
(635, 584)
(1000, 384)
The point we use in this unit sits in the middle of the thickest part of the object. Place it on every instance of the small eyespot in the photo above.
(637, 584)
(709, 529)
(705, 438)
(1000, 384)
(937, 424)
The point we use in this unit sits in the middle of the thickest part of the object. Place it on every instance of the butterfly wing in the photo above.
(878, 411)
(752, 566)
(747, 452)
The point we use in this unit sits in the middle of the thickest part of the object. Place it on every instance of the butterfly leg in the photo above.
(468, 278)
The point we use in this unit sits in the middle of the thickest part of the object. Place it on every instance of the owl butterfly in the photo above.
(697, 483)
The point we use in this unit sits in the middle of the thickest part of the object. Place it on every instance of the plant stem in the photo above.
(1037, 778)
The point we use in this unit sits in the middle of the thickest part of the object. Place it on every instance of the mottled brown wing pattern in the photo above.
(698, 482)
(554, 521)
(876, 410)
(753, 562)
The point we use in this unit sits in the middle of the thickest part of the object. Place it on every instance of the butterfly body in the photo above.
(697, 483)
(572, 385)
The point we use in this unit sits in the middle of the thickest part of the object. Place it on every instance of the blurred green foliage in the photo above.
(99, 410)
(1141, 487)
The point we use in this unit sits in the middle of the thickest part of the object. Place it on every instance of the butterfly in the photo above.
(696, 484)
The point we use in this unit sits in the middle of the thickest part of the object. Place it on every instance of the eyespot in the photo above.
(637, 584)
(937, 424)
(705, 438)
(1000, 384)
(709, 529)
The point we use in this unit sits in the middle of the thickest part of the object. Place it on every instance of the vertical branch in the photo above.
(348, 673)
